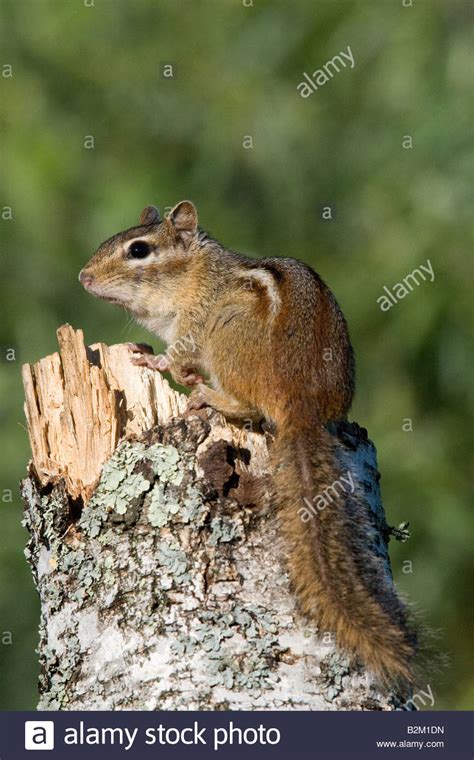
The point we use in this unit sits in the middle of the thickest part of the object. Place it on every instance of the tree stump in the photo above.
(161, 575)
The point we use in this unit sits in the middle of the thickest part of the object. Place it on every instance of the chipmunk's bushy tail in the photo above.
(340, 585)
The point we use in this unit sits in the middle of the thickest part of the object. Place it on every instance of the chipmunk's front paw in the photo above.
(144, 357)
(188, 376)
(140, 348)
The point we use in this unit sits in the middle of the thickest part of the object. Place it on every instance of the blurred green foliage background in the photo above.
(95, 68)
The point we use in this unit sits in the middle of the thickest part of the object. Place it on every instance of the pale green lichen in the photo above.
(165, 462)
(224, 529)
(117, 488)
(50, 507)
(183, 644)
(194, 508)
(121, 484)
(174, 563)
(334, 668)
(167, 467)
(81, 568)
(162, 506)
(60, 673)
(236, 653)
(93, 517)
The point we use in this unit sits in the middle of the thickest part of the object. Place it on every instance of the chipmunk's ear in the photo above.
(184, 220)
(150, 215)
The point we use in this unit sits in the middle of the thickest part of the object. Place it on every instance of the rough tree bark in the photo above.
(160, 574)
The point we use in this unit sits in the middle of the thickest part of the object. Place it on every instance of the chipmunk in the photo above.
(259, 332)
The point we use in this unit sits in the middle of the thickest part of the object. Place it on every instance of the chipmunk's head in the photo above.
(140, 268)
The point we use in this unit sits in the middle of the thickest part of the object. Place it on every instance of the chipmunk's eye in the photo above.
(138, 249)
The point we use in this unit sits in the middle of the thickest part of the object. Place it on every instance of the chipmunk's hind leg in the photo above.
(227, 405)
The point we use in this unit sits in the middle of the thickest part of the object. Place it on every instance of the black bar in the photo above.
(328, 735)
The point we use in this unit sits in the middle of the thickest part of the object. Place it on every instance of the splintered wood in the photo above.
(81, 402)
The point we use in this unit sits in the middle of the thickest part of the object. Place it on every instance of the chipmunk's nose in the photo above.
(85, 278)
